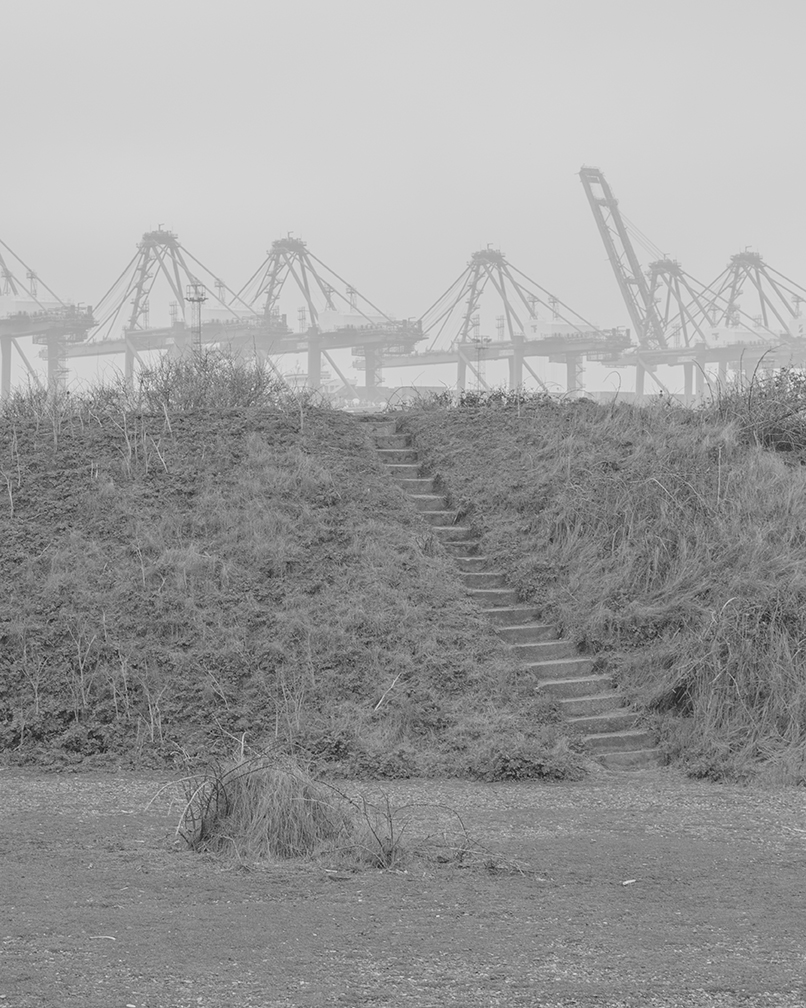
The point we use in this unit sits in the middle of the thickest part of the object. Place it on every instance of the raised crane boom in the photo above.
(633, 284)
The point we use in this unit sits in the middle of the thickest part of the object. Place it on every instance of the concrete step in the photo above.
(392, 440)
(464, 547)
(559, 668)
(419, 487)
(537, 651)
(453, 533)
(493, 596)
(584, 686)
(440, 518)
(511, 616)
(618, 720)
(528, 633)
(596, 704)
(380, 428)
(398, 456)
(621, 741)
(403, 471)
(483, 579)
(636, 759)
(427, 502)
(471, 564)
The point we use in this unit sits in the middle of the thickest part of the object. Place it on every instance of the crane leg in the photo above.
(57, 365)
(128, 366)
(314, 365)
(5, 368)
(516, 368)
(699, 379)
(688, 381)
(573, 374)
(370, 367)
(461, 373)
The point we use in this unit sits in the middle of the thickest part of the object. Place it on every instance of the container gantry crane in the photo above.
(680, 321)
(562, 336)
(247, 321)
(47, 321)
(326, 295)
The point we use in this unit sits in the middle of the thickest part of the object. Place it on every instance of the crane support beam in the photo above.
(633, 284)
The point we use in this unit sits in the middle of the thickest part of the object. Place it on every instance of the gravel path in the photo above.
(646, 889)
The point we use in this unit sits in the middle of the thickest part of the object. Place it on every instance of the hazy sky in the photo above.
(398, 136)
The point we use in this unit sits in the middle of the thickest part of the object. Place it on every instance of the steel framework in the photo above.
(290, 259)
(681, 322)
(250, 321)
(453, 323)
(55, 325)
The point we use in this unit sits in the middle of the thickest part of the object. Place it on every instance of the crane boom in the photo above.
(635, 290)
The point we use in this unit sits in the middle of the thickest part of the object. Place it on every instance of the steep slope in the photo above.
(176, 579)
(586, 698)
(661, 540)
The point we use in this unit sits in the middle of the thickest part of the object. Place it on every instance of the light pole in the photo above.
(196, 294)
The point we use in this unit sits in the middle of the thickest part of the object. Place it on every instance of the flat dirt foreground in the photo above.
(648, 890)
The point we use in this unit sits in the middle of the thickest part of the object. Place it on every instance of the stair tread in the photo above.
(592, 696)
(530, 626)
(618, 712)
(580, 678)
(627, 733)
(504, 609)
(573, 659)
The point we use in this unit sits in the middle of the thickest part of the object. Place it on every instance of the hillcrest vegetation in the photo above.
(668, 542)
(207, 558)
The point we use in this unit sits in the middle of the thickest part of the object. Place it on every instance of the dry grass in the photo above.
(192, 571)
(266, 806)
(261, 806)
(671, 543)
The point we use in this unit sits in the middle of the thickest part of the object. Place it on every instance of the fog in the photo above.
(396, 137)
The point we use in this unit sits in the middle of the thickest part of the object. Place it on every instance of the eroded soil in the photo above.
(98, 909)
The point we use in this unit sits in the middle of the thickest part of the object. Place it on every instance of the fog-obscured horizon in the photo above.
(398, 137)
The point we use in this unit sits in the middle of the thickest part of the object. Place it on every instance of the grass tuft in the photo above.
(261, 806)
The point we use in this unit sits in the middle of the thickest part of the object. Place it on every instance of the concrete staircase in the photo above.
(588, 699)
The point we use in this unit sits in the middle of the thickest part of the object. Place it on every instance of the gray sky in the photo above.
(398, 136)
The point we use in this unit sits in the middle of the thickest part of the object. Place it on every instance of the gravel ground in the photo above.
(642, 889)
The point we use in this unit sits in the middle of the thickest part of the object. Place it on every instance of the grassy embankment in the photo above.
(669, 542)
(210, 557)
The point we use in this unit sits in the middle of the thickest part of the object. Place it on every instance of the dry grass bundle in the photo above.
(267, 806)
(261, 806)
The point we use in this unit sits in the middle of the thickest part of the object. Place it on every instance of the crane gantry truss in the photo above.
(454, 326)
(680, 321)
(247, 321)
(48, 321)
(750, 315)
